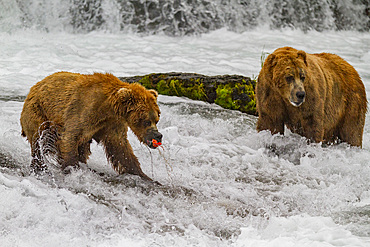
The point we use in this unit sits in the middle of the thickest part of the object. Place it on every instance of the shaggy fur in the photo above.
(85, 107)
(319, 96)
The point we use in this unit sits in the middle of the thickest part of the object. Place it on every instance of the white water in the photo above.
(182, 17)
(222, 186)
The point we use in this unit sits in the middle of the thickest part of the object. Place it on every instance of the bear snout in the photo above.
(153, 139)
(158, 136)
(298, 98)
(300, 95)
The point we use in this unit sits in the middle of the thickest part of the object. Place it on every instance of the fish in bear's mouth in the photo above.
(154, 139)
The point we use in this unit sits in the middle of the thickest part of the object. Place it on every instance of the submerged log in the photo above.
(234, 92)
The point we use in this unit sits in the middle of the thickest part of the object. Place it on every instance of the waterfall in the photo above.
(183, 17)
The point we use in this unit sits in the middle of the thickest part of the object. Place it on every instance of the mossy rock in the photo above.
(234, 92)
(239, 97)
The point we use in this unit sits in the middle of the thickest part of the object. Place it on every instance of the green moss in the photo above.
(195, 92)
(174, 87)
(224, 96)
(237, 97)
(230, 92)
(168, 87)
(163, 88)
(147, 82)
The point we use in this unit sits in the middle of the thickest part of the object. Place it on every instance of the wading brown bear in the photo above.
(80, 108)
(319, 96)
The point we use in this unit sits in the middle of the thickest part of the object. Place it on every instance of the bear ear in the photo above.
(125, 95)
(270, 61)
(126, 100)
(302, 54)
(124, 92)
(153, 92)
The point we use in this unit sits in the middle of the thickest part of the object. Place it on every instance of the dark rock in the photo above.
(234, 92)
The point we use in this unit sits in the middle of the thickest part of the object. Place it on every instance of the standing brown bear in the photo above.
(319, 96)
(80, 108)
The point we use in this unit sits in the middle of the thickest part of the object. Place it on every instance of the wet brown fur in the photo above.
(86, 107)
(335, 103)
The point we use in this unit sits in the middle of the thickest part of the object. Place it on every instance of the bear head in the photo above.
(139, 108)
(287, 69)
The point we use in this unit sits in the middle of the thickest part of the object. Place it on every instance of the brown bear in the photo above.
(81, 108)
(319, 96)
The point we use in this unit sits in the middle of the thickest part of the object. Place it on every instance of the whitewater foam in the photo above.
(229, 185)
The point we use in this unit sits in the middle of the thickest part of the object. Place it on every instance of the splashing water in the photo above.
(180, 17)
(225, 186)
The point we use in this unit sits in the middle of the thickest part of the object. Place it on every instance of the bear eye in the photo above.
(289, 79)
(303, 77)
(146, 123)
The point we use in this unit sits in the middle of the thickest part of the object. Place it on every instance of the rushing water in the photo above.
(181, 17)
(224, 184)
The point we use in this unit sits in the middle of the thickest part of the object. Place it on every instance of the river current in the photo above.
(223, 184)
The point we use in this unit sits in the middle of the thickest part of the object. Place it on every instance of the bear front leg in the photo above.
(313, 129)
(274, 124)
(352, 131)
(84, 152)
(68, 151)
(120, 154)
